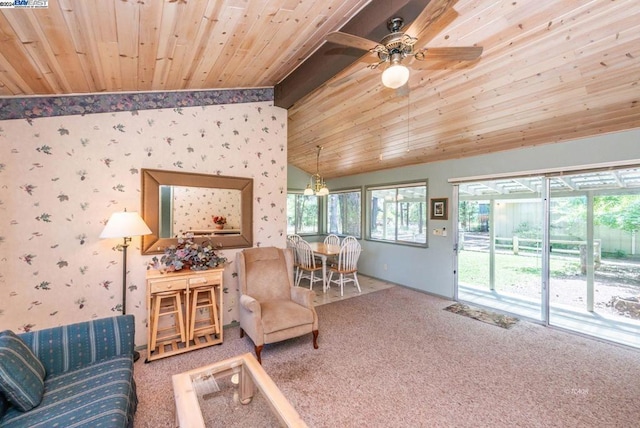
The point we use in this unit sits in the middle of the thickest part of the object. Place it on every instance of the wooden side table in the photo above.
(158, 282)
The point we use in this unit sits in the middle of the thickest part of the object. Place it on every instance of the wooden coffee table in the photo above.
(239, 387)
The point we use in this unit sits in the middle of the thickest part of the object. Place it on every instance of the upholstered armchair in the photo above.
(272, 309)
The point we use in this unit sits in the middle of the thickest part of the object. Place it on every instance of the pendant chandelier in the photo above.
(316, 184)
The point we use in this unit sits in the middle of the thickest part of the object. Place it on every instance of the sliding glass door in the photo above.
(595, 287)
(500, 243)
(582, 242)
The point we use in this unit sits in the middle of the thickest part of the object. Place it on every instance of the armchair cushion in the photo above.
(21, 373)
(280, 315)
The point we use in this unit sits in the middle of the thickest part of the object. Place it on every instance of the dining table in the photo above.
(324, 251)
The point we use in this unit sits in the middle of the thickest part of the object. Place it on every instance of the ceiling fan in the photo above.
(396, 46)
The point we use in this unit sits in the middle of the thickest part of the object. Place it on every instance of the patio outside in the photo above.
(592, 221)
(617, 280)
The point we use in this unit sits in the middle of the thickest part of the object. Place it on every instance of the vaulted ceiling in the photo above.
(550, 70)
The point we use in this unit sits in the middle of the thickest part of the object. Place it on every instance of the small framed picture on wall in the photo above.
(439, 209)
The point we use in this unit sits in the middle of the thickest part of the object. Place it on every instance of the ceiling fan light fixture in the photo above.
(395, 76)
(397, 45)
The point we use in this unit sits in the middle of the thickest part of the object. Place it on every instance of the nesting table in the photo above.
(183, 281)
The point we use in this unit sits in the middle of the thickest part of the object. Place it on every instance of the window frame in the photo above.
(326, 210)
(397, 186)
(319, 220)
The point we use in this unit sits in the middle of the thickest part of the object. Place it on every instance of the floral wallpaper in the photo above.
(61, 177)
(194, 208)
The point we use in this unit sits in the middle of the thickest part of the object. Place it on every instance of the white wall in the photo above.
(431, 269)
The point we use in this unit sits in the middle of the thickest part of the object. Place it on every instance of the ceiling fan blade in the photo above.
(350, 40)
(432, 20)
(467, 53)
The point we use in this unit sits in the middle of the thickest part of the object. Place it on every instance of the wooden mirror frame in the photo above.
(152, 179)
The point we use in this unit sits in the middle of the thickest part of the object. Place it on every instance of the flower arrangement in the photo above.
(188, 254)
(218, 219)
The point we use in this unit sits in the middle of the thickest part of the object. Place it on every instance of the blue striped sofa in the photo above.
(89, 376)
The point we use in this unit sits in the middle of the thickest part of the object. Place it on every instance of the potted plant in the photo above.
(188, 254)
(219, 221)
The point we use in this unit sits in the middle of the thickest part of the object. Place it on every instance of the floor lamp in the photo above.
(125, 225)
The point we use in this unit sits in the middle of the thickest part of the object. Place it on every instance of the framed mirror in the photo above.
(178, 203)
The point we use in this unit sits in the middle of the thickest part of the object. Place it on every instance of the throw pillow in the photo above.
(21, 373)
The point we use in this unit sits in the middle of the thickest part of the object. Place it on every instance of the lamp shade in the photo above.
(395, 76)
(125, 224)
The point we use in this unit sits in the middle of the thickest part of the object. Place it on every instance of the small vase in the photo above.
(219, 226)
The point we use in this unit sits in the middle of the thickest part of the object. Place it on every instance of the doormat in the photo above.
(483, 315)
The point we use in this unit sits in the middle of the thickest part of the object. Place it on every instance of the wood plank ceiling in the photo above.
(550, 71)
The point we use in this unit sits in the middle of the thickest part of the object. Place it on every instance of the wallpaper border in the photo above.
(68, 105)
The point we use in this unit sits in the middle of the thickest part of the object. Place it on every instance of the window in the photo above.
(302, 214)
(345, 213)
(398, 213)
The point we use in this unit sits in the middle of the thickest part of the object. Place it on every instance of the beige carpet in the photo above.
(395, 358)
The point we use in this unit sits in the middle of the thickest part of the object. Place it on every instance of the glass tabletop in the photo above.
(236, 392)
